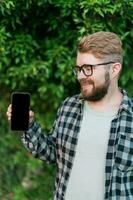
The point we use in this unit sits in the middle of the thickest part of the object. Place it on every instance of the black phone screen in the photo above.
(20, 111)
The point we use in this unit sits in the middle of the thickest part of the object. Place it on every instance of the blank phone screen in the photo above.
(20, 111)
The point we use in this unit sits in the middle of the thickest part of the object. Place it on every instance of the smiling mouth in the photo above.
(86, 84)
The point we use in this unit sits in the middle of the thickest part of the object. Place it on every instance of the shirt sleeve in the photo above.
(40, 144)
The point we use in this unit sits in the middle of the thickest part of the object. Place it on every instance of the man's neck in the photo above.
(110, 102)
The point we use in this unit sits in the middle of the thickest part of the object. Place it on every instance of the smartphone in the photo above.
(20, 111)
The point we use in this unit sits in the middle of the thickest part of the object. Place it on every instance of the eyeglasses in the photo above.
(87, 69)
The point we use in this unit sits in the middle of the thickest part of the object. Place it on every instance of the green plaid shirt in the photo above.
(59, 147)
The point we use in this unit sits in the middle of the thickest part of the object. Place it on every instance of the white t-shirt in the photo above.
(87, 177)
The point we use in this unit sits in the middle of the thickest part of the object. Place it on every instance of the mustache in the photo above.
(82, 82)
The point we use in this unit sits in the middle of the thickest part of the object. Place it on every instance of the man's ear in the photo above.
(115, 69)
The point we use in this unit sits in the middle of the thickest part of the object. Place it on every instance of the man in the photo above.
(92, 138)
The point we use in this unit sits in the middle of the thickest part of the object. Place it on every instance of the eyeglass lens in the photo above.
(87, 70)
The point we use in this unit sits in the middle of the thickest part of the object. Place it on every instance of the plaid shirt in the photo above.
(60, 147)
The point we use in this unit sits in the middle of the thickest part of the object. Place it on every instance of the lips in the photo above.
(85, 85)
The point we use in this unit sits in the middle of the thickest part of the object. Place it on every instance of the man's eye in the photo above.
(87, 68)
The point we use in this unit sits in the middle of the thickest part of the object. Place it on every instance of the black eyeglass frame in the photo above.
(78, 69)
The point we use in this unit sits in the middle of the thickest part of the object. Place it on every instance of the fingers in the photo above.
(31, 113)
(31, 116)
(9, 112)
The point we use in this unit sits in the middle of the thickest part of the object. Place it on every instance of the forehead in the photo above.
(86, 58)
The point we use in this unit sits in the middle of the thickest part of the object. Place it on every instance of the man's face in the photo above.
(95, 87)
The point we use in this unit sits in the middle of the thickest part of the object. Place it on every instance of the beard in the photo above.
(98, 92)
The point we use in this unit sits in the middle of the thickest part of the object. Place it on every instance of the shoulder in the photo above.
(130, 100)
(130, 104)
(71, 102)
(72, 99)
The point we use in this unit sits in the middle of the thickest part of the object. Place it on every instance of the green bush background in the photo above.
(37, 53)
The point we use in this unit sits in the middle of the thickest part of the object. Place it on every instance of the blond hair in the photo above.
(103, 45)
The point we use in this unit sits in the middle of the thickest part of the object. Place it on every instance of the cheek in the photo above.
(99, 77)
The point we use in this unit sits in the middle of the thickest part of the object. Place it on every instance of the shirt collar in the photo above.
(126, 103)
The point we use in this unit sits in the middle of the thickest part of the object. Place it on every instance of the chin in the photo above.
(86, 93)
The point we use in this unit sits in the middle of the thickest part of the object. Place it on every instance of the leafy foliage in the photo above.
(37, 52)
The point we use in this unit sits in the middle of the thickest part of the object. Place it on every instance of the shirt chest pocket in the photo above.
(124, 153)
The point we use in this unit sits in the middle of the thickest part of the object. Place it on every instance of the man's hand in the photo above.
(9, 114)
